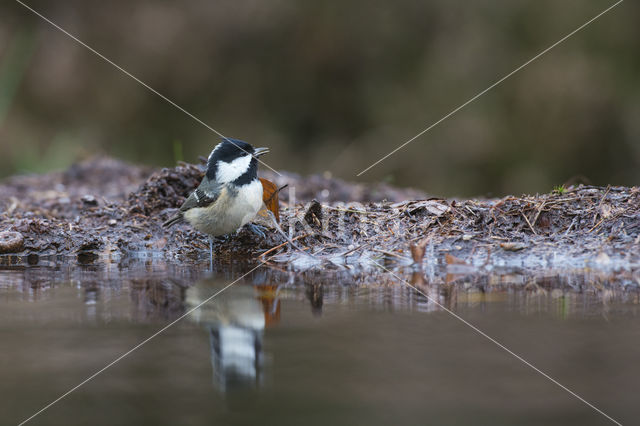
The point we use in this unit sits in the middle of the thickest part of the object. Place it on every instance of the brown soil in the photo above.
(106, 209)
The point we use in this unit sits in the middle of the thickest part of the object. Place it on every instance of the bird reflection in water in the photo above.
(236, 320)
(313, 291)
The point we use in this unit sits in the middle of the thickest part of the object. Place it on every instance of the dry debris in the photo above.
(104, 208)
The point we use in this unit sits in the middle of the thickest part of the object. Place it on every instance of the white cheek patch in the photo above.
(214, 150)
(228, 172)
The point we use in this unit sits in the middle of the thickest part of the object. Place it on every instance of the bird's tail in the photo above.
(176, 218)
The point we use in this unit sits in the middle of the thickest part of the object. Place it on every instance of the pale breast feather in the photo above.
(233, 207)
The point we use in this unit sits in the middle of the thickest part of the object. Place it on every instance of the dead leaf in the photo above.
(160, 243)
(432, 206)
(417, 279)
(270, 197)
(417, 250)
(452, 260)
(437, 209)
(513, 246)
(270, 205)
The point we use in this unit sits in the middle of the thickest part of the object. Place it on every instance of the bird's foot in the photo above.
(257, 229)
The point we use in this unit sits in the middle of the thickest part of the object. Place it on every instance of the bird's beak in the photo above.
(260, 151)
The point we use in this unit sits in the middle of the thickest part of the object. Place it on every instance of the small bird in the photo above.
(230, 194)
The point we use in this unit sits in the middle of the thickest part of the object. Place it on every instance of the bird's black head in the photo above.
(233, 160)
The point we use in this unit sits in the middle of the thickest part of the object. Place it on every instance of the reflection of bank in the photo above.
(235, 319)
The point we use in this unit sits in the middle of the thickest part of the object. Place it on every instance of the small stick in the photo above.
(605, 194)
(289, 240)
(282, 245)
(355, 249)
(535, 219)
(348, 210)
(529, 223)
(389, 253)
(562, 200)
(597, 224)
(573, 222)
(595, 216)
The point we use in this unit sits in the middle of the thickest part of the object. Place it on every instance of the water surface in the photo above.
(312, 348)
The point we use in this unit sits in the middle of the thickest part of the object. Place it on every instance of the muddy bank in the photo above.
(106, 209)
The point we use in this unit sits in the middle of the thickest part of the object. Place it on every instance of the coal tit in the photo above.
(230, 194)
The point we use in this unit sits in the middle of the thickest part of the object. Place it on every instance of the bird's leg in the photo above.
(211, 253)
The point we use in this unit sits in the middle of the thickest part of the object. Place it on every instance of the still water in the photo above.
(318, 348)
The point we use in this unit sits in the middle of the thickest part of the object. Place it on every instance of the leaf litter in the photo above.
(104, 209)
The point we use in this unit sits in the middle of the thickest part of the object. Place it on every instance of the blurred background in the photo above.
(331, 86)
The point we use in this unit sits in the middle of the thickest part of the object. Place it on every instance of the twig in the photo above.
(599, 208)
(529, 223)
(562, 200)
(570, 226)
(282, 245)
(347, 210)
(596, 225)
(389, 253)
(535, 219)
(355, 249)
(286, 237)
(605, 194)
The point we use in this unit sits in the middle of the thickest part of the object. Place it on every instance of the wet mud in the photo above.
(103, 209)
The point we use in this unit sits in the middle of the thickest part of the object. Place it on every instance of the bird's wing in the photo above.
(204, 195)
